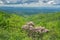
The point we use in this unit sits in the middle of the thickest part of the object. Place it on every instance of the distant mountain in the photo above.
(29, 10)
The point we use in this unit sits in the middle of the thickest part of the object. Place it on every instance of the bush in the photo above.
(10, 25)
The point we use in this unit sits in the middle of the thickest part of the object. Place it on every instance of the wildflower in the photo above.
(30, 23)
(25, 27)
(46, 30)
(34, 31)
(30, 27)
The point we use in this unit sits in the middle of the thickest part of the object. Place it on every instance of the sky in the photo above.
(30, 3)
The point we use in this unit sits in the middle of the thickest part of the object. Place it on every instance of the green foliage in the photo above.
(10, 25)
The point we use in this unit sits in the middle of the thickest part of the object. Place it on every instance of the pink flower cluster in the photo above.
(30, 26)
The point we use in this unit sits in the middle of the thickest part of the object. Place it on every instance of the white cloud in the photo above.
(51, 2)
(8, 1)
(11, 1)
(39, 4)
(24, 0)
(1, 2)
(33, 4)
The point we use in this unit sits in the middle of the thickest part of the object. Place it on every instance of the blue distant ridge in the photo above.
(30, 10)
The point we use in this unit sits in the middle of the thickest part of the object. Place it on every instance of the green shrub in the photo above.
(10, 25)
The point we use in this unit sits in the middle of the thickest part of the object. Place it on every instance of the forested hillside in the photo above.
(10, 25)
